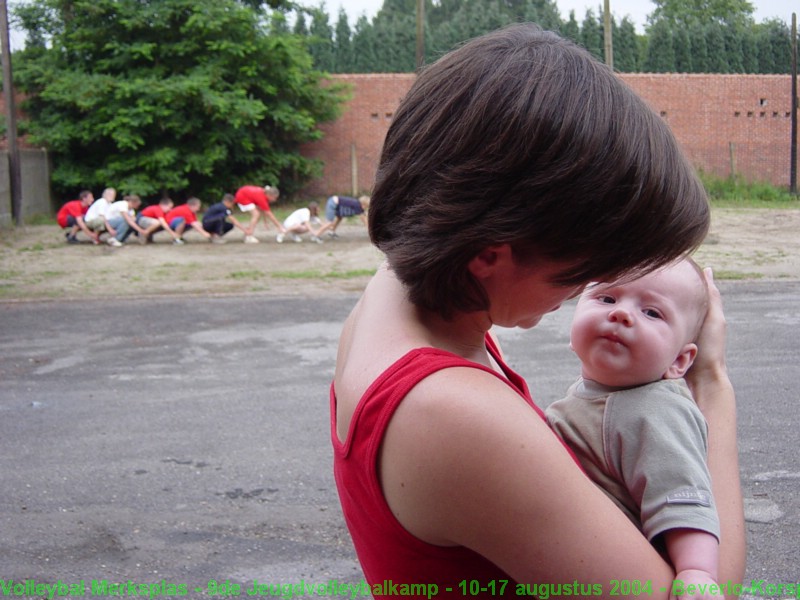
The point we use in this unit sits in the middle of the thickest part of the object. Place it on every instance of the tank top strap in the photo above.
(382, 398)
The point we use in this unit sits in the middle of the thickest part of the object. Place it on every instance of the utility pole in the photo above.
(607, 37)
(420, 33)
(11, 118)
(793, 143)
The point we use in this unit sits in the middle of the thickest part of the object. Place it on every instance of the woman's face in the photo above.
(523, 294)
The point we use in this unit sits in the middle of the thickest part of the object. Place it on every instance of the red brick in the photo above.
(721, 121)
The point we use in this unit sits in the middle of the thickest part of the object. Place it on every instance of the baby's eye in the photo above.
(606, 299)
(652, 313)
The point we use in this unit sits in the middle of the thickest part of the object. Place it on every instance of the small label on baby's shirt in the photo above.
(690, 496)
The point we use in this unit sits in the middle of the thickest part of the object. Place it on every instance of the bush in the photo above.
(736, 192)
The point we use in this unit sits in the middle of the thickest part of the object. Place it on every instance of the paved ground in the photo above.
(185, 440)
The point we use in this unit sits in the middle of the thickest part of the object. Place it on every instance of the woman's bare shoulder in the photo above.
(379, 330)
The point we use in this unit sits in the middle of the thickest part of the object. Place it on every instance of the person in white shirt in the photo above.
(96, 217)
(121, 215)
(302, 221)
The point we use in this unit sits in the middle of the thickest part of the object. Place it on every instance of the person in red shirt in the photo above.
(183, 216)
(255, 199)
(71, 216)
(153, 219)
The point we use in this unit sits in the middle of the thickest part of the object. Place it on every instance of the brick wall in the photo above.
(355, 139)
(722, 121)
(727, 122)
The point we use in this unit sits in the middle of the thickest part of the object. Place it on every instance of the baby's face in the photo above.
(633, 333)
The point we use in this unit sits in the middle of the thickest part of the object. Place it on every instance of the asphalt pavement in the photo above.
(184, 441)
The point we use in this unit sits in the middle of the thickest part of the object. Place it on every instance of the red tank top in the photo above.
(390, 555)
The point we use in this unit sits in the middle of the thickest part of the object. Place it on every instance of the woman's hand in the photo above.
(709, 365)
(714, 394)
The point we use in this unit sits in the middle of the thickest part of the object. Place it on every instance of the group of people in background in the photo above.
(113, 221)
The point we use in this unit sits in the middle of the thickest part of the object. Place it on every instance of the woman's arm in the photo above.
(466, 461)
(713, 392)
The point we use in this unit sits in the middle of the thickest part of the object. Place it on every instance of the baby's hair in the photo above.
(701, 301)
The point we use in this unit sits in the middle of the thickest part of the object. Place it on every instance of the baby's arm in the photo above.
(695, 556)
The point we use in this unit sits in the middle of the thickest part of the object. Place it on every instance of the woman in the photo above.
(516, 170)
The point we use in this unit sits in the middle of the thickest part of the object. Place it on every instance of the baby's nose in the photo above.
(620, 315)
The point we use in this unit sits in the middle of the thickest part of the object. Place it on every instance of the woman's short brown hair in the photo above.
(521, 137)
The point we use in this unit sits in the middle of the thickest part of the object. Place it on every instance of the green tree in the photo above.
(278, 24)
(343, 45)
(468, 20)
(717, 54)
(571, 29)
(683, 50)
(478, 18)
(660, 57)
(697, 39)
(393, 8)
(592, 34)
(749, 50)
(300, 27)
(320, 40)
(626, 47)
(543, 12)
(439, 13)
(364, 59)
(445, 37)
(774, 47)
(687, 12)
(733, 48)
(186, 96)
(394, 36)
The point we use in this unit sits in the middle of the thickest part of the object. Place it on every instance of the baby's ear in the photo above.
(682, 363)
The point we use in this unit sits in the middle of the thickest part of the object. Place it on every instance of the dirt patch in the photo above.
(753, 244)
(37, 263)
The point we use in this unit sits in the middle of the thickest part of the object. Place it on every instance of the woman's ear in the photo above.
(685, 359)
(486, 262)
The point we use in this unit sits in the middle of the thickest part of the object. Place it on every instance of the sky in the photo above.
(637, 10)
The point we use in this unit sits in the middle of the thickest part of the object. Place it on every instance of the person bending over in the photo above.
(256, 201)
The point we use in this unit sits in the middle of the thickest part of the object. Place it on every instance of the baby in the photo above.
(630, 418)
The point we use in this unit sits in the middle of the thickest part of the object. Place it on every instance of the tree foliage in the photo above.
(159, 96)
(626, 47)
(694, 36)
(715, 40)
(682, 51)
(660, 50)
(592, 34)
(688, 12)
(168, 96)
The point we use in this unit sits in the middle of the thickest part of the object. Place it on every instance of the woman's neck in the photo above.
(464, 335)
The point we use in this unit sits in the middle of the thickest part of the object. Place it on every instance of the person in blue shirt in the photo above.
(340, 207)
(219, 220)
